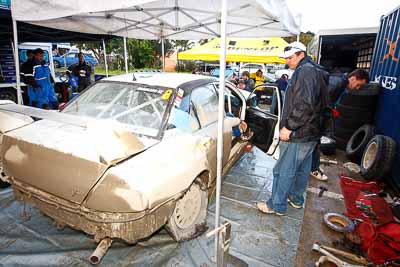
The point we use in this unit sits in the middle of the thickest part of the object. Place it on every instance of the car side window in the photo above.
(71, 55)
(205, 104)
(183, 117)
(266, 98)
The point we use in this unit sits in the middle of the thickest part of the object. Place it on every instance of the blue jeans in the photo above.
(291, 173)
(316, 158)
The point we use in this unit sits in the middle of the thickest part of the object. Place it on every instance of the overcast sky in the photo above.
(336, 14)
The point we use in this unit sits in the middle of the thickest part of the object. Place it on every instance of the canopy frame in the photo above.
(217, 18)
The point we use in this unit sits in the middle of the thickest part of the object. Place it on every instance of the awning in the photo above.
(263, 50)
(33, 33)
(168, 19)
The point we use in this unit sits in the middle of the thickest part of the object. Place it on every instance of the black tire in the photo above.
(363, 114)
(328, 146)
(369, 89)
(358, 141)
(365, 102)
(343, 133)
(4, 184)
(56, 64)
(8, 94)
(177, 225)
(378, 157)
(340, 143)
(366, 97)
(349, 123)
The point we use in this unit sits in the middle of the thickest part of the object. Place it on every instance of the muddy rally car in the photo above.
(131, 154)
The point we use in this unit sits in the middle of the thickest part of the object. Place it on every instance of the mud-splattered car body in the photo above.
(119, 158)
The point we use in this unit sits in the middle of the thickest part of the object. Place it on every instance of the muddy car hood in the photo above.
(61, 158)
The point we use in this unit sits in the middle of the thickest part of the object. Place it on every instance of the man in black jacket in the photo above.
(300, 130)
(27, 67)
(82, 70)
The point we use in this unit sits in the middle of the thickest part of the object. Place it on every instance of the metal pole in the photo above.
(298, 38)
(220, 139)
(16, 60)
(105, 57)
(162, 54)
(319, 50)
(125, 56)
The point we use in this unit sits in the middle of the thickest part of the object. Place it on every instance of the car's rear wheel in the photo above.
(189, 217)
(2, 183)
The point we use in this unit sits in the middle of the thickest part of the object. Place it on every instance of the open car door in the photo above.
(263, 112)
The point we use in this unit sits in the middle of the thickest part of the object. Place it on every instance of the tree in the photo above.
(168, 47)
(182, 45)
(305, 38)
(140, 53)
(95, 47)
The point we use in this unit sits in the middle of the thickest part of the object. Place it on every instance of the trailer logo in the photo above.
(392, 48)
(387, 82)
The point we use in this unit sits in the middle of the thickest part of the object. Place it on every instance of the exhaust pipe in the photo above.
(100, 251)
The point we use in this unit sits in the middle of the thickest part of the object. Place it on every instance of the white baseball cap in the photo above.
(292, 48)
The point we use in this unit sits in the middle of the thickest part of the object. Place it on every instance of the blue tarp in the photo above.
(258, 239)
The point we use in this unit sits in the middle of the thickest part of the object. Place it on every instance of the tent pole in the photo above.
(162, 54)
(16, 61)
(105, 58)
(125, 56)
(220, 138)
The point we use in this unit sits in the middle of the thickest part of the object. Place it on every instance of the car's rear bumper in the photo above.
(129, 227)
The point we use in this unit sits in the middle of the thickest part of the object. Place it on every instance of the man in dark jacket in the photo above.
(249, 82)
(282, 82)
(300, 128)
(82, 71)
(354, 81)
(27, 67)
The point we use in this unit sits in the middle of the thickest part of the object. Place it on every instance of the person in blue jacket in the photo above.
(40, 90)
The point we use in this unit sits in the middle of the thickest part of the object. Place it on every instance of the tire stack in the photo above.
(358, 141)
(356, 108)
(378, 157)
(374, 153)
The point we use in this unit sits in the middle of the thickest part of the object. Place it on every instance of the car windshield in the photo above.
(139, 108)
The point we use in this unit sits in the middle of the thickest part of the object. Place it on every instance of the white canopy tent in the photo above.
(170, 19)
(166, 19)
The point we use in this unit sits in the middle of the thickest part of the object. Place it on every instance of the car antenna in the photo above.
(133, 77)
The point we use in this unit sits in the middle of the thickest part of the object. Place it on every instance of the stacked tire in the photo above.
(356, 108)
(358, 141)
(378, 157)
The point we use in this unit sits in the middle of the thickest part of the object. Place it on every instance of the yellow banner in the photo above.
(266, 50)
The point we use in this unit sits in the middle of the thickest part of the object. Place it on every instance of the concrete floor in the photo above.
(257, 239)
(313, 229)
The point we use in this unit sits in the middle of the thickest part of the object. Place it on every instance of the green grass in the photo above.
(102, 70)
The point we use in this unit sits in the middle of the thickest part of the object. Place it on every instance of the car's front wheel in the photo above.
(189, 217)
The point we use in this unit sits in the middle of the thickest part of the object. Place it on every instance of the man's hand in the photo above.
(284, 134)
